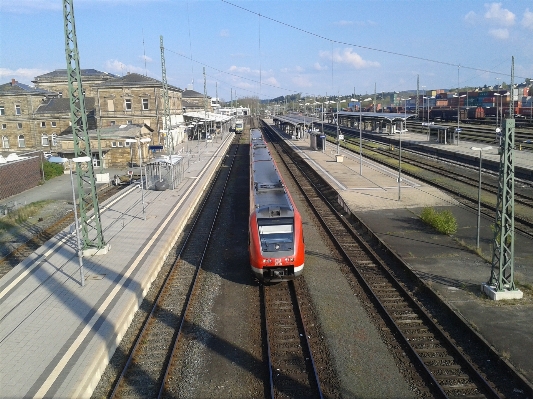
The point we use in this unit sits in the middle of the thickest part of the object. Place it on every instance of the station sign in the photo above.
(341, 136)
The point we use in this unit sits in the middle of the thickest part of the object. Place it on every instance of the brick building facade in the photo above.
(28, 173)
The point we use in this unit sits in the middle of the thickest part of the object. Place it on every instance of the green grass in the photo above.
(444, 222)
(22, 214)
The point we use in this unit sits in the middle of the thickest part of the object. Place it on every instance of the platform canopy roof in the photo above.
(377, 115)
(295, 119)
(206, 116)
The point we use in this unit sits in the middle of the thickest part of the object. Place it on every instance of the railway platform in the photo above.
(460, 150)
(56, 337)
(448, 265)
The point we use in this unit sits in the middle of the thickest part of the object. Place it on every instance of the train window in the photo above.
(276, 234)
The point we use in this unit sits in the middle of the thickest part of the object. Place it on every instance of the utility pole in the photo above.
(166, 103)
(501, 283)
(91, 227)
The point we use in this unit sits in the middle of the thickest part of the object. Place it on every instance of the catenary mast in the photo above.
(91, 227)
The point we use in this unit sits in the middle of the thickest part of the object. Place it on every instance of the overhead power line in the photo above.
(366, 47)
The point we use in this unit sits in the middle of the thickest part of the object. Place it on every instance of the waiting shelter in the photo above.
(378, 122)
(296, 125)
(441, 134)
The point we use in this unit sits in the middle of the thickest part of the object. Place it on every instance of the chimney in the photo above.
(127, 73)
(13, 82)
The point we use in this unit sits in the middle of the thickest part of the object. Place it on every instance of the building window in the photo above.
(53, 124)
(44, 140)
(5, 142)
(2, 110)
(127, 144)
(4, 125)
(127, 104)
(43, 124)
(112, 123)
(120, 144)
(130, 122)
(145, 104)
(110, 105)
(54, 139)
(19, 125)
(113, 144)
(22, 143)
(17, 110)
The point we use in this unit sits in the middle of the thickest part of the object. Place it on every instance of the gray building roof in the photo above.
(192, 94)
(62, 106)
(134, 80)
(61, 74)
(15, 88)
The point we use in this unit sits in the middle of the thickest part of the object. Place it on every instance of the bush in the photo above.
(51, 169)
(444, 222)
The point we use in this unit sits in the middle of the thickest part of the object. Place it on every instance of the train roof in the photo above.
(270, 196)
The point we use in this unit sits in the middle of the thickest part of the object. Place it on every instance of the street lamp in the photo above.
(428, 98)
(458, 118)
(139, 149)
(479, 190)
(80, 252)
(400, 154)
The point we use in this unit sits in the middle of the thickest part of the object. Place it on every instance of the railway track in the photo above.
(450, 369)
(292, 369)
(147, 371)
(481, 134)
(444, 170)
(25, 249)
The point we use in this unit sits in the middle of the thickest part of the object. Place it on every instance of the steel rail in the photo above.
(300, 332)
(146, 323)
(483, 384)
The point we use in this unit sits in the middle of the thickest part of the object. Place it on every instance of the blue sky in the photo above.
(310, 47)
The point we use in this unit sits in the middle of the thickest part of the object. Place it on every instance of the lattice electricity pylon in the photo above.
(166, 106)
(502, 271)
(91, 227)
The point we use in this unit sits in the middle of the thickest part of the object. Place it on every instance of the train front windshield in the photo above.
(276, 234)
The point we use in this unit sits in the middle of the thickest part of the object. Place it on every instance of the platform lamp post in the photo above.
(458, 118)
(400, 155)
(428, 98)
(78, 242)
(139, 149)
(360, 138)
(479, 190)
(497, 124)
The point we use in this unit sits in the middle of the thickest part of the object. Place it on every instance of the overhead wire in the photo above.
(367, 47)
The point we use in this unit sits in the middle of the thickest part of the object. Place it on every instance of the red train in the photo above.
(276, 241)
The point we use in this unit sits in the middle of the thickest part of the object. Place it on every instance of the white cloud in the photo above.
(243, 70)
(527, 21)
(271, 81)
(501, 33)
(471, 17)
(29, 6)
(495, 13)
(224, 33)
(146, 58)
(344, 23)
(301, 81)
(121, 69)
(319, 67)
(366, 23)
(24, 75)
(347, 56)
(296, 69)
